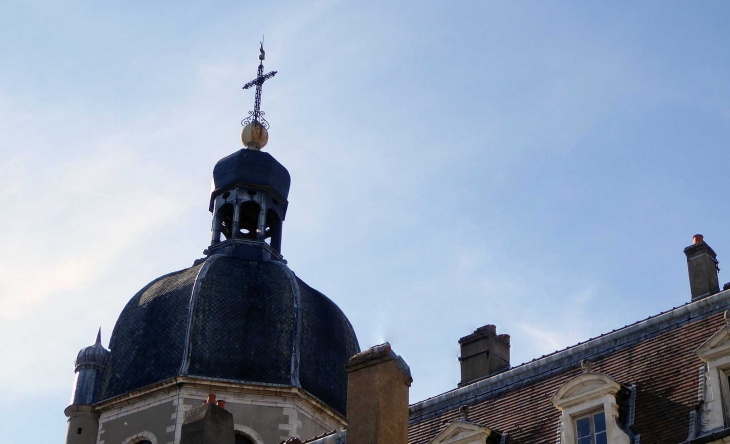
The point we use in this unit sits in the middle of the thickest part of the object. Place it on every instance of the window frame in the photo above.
(591, 424)
(723, 373)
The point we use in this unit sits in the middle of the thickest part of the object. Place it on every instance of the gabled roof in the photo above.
(717, 345)
(585, 386)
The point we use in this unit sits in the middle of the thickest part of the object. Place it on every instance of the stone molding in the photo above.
(584, 394)
(210, 385)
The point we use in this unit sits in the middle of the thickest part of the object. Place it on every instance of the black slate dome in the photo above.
(232, 319)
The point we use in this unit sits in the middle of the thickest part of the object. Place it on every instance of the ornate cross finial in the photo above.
(255, 123)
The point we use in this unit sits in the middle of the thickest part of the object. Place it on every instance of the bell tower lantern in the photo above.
(248, 200)
(249, 191)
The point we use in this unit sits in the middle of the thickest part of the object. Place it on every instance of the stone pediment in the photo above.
(583, 388)
(718, 345)
(463, 432)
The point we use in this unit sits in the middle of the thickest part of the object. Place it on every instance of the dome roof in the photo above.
(232, 319)
(250, 167)
(93, 356)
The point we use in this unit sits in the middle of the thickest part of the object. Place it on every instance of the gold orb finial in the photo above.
(254, 136)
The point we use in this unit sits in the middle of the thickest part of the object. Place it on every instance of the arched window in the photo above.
(248, 221)
(143, 437)
(243, 439)
(273, 230)
(225, 220)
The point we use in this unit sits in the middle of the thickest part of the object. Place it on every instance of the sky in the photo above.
(538, 165)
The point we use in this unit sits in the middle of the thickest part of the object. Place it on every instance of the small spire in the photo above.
(98, 337)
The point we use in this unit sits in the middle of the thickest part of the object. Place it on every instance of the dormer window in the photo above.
(715, 353)
(463, 431)
(589, 410)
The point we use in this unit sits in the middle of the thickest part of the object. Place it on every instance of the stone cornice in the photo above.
(221, 385)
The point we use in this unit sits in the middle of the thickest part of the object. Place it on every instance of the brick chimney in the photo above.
(483, 353)
(703, 267)
(377, 397)
(209, 423)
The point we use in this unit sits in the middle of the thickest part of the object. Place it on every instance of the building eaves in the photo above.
(570, 357)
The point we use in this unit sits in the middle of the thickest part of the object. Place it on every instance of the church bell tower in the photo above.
(238, 325)
(249, 190)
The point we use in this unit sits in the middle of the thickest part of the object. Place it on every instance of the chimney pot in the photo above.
(221, 403)
(208, 424)
(210, 399)
(702, 267)
(483, 353)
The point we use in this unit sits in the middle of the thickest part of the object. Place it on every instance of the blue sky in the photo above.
(535, 165)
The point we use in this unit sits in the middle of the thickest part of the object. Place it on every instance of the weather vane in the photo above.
(255, 132)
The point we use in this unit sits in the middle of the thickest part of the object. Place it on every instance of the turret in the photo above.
(83, 421)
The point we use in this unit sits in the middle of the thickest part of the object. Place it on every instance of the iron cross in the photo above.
(257, 115)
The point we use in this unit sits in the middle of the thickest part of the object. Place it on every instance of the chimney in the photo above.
(483, 353)
(208, 423)
(703, 268)
(377, 397)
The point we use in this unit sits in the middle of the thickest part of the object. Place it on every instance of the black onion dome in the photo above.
(93, 356)
(250, 167)
(236, 320)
